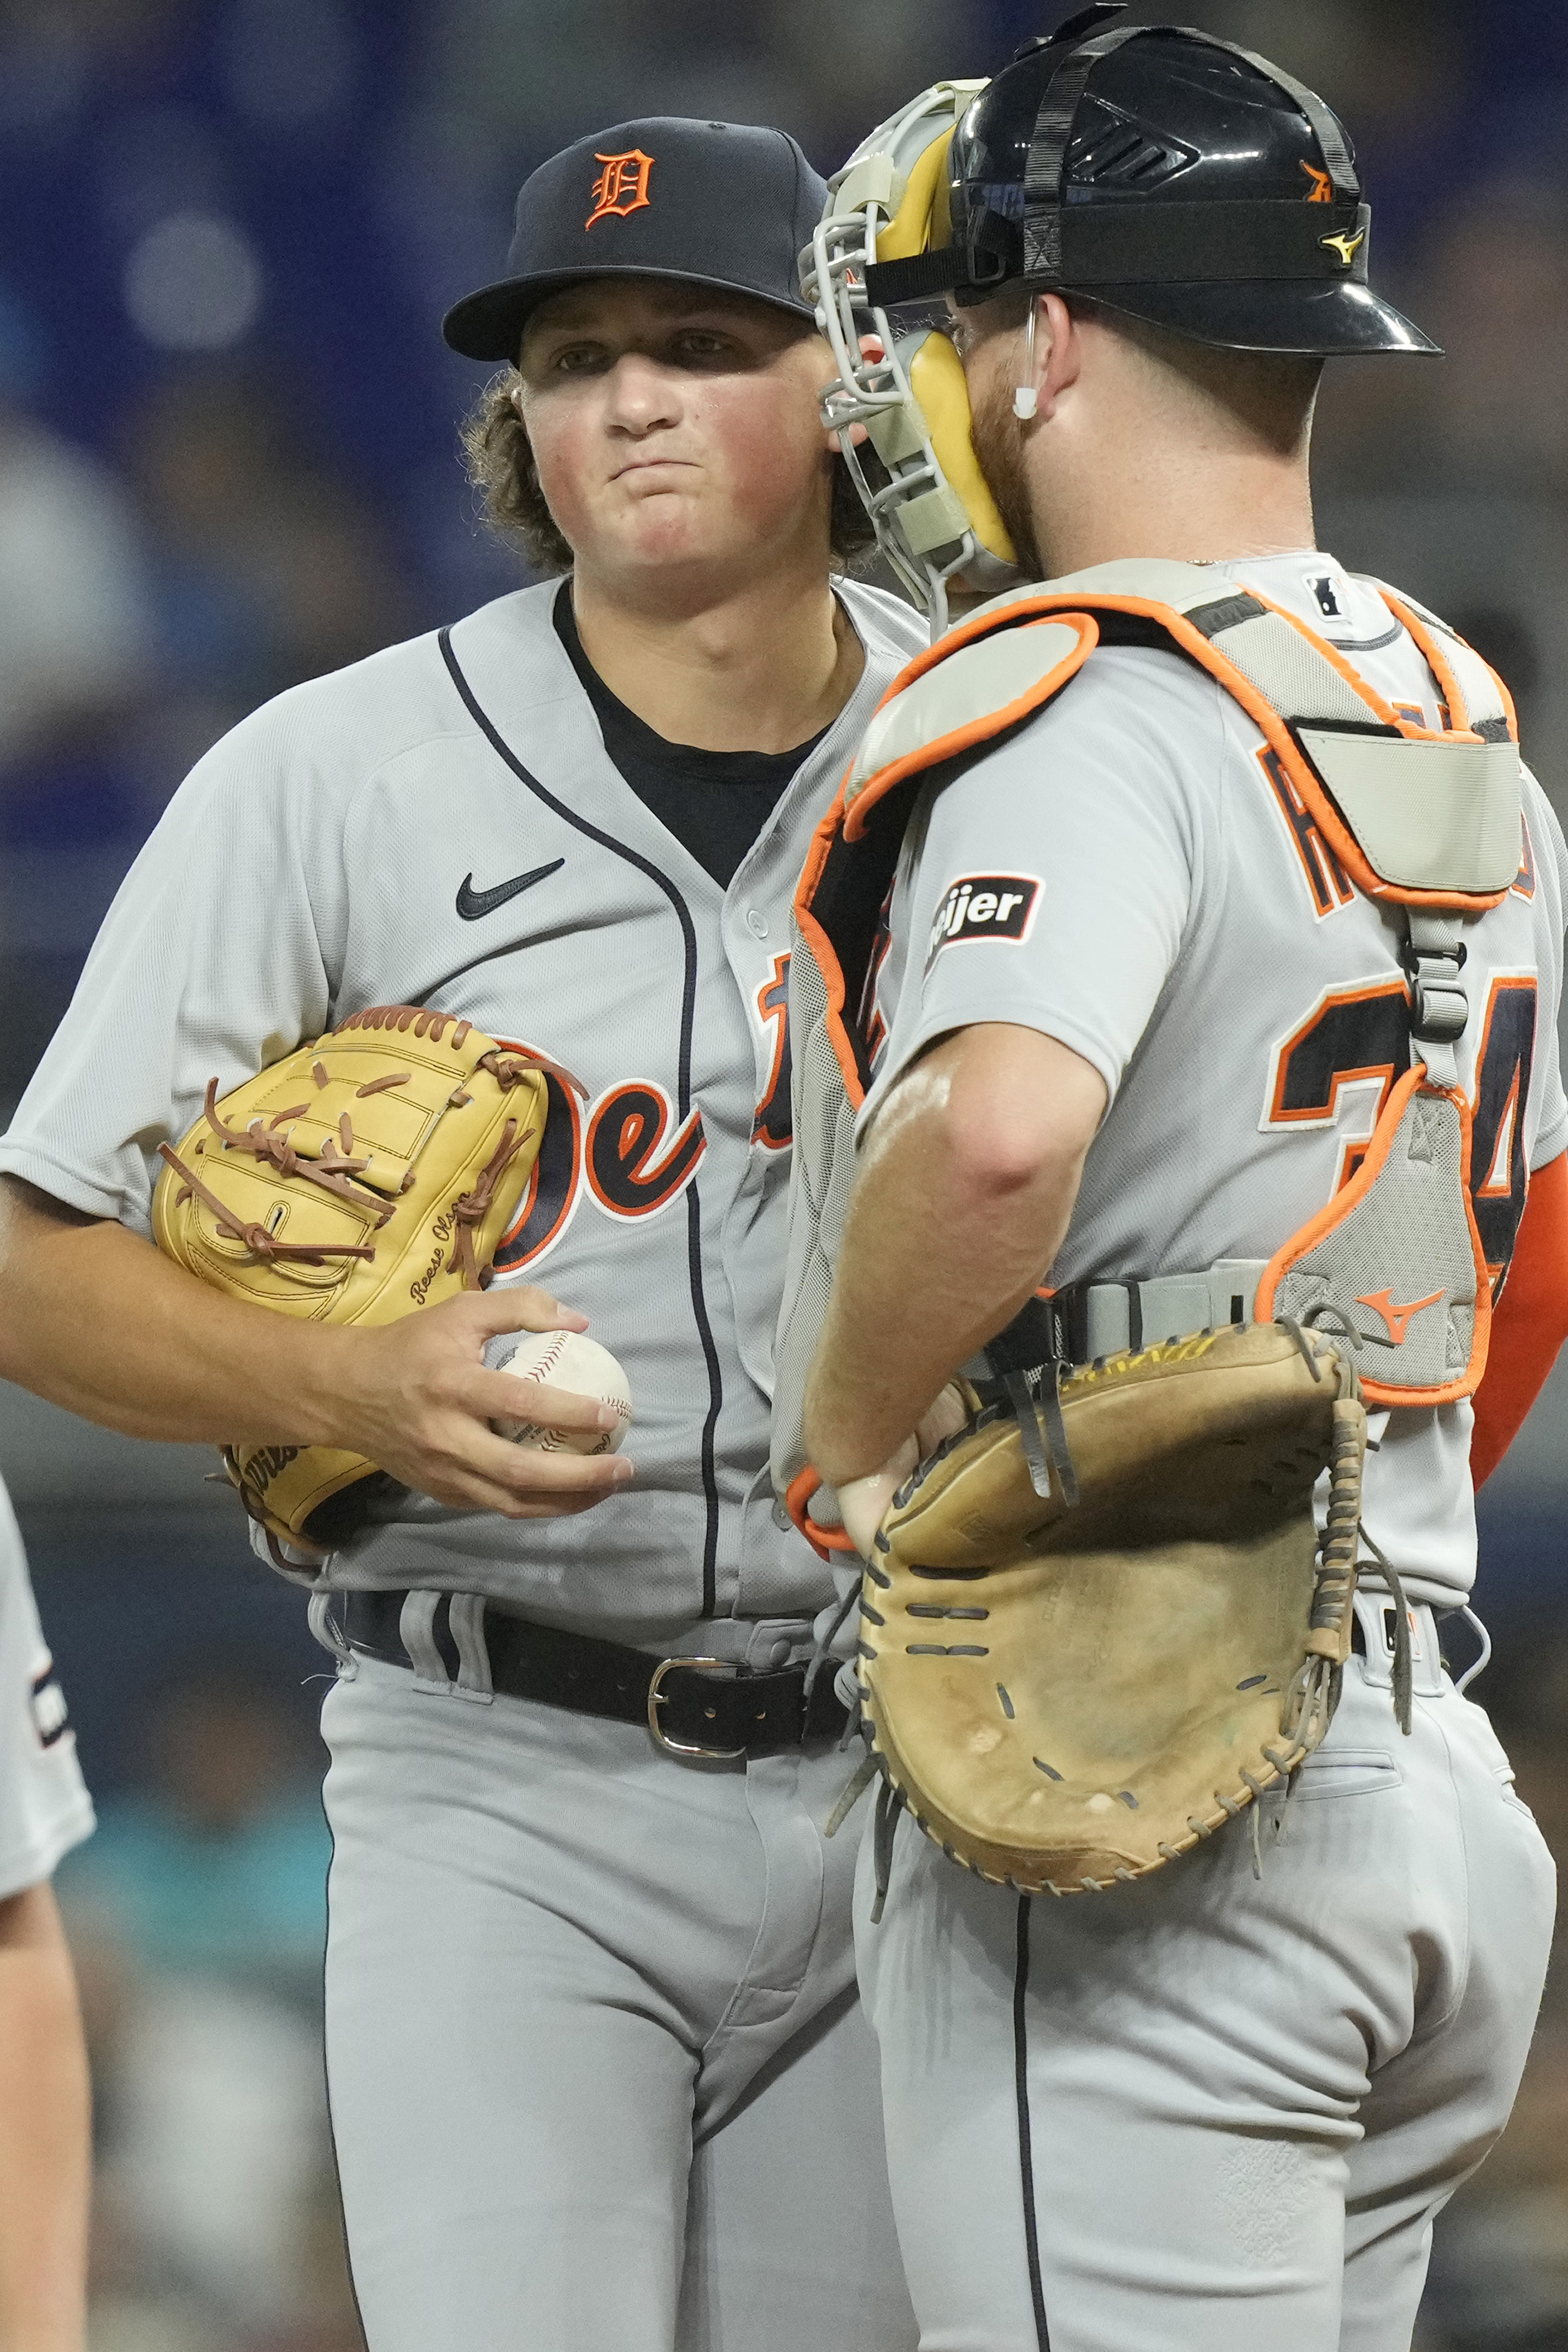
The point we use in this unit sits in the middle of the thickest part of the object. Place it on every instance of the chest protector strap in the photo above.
(1427, 822)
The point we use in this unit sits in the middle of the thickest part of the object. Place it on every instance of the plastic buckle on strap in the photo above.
(658, 1696)
(1440, 1008)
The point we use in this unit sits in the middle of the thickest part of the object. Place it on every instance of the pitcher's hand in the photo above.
(416, 1398)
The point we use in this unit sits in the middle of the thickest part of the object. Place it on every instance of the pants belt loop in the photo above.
(326, 1630)
(416, 1631)
(1375, 1611)
(467, 1617)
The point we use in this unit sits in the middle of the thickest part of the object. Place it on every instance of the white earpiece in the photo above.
(1026, 399)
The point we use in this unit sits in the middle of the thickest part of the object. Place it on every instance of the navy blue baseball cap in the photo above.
(715, 203)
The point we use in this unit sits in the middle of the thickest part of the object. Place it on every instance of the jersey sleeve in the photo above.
(1051, 884)
(1529, 1322)
(45, 1809)
(218, 955)
(1547, 1113)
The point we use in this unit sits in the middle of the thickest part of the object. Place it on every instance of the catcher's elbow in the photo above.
(1011, 1154)
(1019, 1109)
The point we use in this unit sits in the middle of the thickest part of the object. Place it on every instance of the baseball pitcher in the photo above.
(442, 1021)
(1181, 1145)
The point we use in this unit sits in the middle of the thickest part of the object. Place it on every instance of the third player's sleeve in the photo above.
(45, 1809)
(216, 957)
(1053, 878)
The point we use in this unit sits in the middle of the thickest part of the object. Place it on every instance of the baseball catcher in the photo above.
(1180, 1231)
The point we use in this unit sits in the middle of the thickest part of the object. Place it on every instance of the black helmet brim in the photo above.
(1325, 322)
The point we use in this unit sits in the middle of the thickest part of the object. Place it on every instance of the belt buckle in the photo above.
(657, 1698)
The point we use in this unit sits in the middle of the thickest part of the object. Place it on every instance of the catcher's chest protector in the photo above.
(1429, 823)
(368, 1175)
(1074, 1669)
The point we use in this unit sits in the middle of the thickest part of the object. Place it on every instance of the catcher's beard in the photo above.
(999, 446)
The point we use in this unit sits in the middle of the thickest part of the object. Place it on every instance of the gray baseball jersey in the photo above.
(441, 823)
(45, 1809)
(588, 1953)
(1132, 873)
(1233, 2095)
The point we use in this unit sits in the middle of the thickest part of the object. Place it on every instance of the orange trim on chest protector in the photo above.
(1349, 1196)
(1075, 606)
(975, 730)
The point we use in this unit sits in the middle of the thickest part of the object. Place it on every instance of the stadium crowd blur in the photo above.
(228, 462)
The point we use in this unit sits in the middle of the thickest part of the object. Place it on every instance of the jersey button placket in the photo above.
(756, 923)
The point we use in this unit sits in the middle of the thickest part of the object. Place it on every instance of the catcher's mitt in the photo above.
(363, 1177)
(1069, 1696)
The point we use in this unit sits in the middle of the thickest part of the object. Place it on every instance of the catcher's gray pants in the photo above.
(1241, 2101)
(566, 1975)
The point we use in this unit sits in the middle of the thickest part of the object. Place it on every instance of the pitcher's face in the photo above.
(675, 426)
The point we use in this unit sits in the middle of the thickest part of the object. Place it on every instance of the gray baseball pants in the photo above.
(1211, 2109)
(599, 2079)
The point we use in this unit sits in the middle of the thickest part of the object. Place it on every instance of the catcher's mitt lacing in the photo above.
(339, 1165)
(1402, 1678)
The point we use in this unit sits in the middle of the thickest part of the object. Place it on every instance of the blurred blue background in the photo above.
(228, 461)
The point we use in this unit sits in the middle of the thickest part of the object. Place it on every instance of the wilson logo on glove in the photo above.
(983, 907)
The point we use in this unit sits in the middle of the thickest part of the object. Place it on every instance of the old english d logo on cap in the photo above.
(621, 186)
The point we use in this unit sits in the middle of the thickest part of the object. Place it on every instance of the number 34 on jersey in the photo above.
(1336, 1068)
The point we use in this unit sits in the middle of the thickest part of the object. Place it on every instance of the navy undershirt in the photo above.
(715, 803)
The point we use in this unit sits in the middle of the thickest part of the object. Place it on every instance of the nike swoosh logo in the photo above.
(472, 903)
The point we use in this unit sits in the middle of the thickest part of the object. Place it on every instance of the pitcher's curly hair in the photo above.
(501, 468)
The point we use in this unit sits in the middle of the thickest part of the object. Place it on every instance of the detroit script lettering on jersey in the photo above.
(627, 1151)
(773, 1126)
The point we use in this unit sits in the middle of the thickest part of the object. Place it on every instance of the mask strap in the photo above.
(1026, 399)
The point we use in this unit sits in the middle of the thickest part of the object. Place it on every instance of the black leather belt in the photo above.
(693, 1706)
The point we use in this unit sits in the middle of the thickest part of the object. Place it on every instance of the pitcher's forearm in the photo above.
(100, 1321)
(96, 1319)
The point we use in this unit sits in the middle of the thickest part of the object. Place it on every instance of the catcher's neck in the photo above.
(1173, 503)
(754, 663)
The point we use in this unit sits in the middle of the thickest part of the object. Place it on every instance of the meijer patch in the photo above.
(983, 907)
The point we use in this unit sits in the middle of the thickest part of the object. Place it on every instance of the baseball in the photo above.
(565, 1360)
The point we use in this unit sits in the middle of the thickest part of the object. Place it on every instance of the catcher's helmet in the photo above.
(1171, 176)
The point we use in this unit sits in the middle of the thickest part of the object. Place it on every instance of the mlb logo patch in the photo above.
(983, 907)
(1328, 592)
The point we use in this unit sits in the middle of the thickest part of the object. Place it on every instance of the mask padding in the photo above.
(936, 380)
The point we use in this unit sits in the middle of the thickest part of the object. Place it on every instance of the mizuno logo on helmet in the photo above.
(1345, 247)
(621, 186)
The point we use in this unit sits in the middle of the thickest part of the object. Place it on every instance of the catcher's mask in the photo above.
(1164, 173)
(931, 508)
